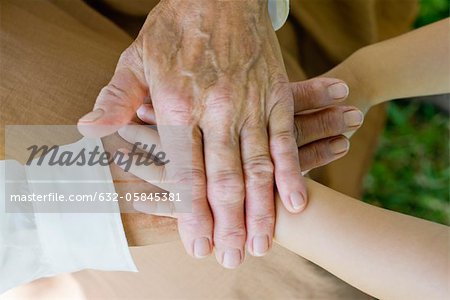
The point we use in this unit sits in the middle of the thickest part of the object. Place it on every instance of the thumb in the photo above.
(118, 101)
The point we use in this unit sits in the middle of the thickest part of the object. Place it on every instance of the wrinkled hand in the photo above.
(216, 67)
(320, 122)
(321, 119)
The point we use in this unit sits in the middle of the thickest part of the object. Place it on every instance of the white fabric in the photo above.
(35, 245)
(278, 12)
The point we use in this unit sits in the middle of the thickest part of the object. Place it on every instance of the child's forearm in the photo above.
(383, 253)
(414, 64)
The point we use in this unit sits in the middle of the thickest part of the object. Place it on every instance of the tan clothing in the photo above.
(57, 54)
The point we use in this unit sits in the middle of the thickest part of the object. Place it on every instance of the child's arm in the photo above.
(413, 64)
(385, 254)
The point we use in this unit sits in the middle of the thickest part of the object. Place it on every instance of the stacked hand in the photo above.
(318, 134)
(215, 67)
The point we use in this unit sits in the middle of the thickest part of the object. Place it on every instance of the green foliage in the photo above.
(411, 172)
(432, 11)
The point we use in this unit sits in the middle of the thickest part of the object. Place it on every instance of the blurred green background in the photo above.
(411, 172)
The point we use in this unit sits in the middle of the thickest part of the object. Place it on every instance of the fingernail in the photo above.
(142, 110)
(231, 258)
(260, 245)
(338, 91)
(353, 118)
(93, 115)
(201, 247)
(339, 145)
(297, 201)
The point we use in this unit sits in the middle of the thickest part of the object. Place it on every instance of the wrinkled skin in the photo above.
(320, 121)
(215, 67)
(230, 92)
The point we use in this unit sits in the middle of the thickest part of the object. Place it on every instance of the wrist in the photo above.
(215, 11)
(366, 81)
(355, 72)
(223, 7)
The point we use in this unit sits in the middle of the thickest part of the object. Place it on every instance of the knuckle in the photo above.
(220, 110)
(261, 221)
(282, 93)
(305, 90)
(235, 232)
(191, 223)
(179, 109)
(220, 96)
(112, 94)
(259, 167)
(282, 140)
(309, 93)
(254, 119)
(282, 111)
(278, 78)
(317, 154)
(115, 92)
(132, 56)
(229, 181)
(194, 177)
(313, 88)
(299, 92)
(220, 100)
(197, 175)
(329, 123)
(224, 136)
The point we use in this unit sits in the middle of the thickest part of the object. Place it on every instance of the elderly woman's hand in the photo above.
(320, 121)
(215, 68)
